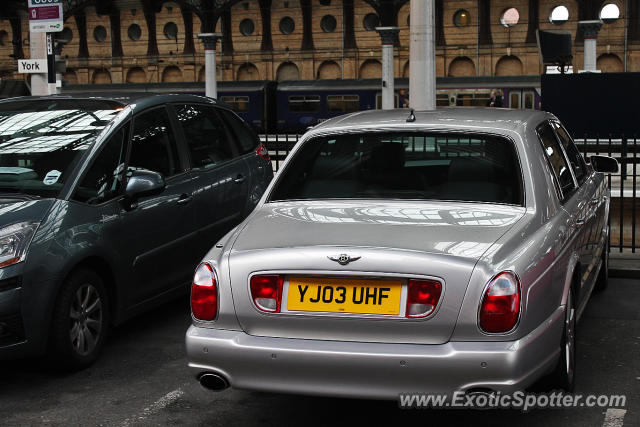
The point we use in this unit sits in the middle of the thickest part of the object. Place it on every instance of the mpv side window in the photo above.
(575, 158)
(153, 144)
(103, 180)
(556, 158)
(246, 139)
(205, 134)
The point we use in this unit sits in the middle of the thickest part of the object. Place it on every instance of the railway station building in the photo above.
(147, 41)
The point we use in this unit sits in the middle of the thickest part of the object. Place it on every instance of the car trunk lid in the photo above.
(389, 244)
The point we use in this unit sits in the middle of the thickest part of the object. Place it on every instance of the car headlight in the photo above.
(14, 242)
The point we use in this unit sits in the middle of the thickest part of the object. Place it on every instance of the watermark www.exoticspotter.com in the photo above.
(518, 400)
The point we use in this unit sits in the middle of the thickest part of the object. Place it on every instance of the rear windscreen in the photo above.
(478, 168)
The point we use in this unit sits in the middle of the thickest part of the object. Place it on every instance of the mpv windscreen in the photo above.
(42, 140)
(479, 168)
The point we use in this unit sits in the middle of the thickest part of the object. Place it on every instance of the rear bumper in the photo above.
(373, 370)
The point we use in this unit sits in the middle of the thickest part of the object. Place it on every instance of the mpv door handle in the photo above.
(239, 179)
(184, 199)
(579, 223)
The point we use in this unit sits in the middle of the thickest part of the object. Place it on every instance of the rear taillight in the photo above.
(263, 152)
(500, 307)
(266, 291)
(422, 297)
(204, 293)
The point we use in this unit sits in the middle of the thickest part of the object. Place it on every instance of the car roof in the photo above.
(139, 100)
(495, 120)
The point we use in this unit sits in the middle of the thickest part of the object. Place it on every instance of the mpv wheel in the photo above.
(80, 321)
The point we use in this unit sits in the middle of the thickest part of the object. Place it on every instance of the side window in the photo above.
(556, 158)
(247, 141)
(153, 144)
(205, 134)
(575, 158)
(103, 180)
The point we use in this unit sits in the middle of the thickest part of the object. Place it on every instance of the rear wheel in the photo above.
(603, 276)
(80, 321)
(564, 375)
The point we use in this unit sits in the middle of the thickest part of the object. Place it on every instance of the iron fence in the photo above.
(624, 196)
(623, 185)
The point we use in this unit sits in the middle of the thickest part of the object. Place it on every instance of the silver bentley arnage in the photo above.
(441, 251)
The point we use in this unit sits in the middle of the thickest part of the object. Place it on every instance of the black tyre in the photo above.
(564, 375)
(80, 321)
(603, 276)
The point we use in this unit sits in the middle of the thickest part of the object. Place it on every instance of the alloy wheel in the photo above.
(86, 319)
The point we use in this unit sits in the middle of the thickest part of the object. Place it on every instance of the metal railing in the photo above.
(279, 146)
(624, 195)
(623, 185)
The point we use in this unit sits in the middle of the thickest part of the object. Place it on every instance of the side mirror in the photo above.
(143, 183)
(604, 164)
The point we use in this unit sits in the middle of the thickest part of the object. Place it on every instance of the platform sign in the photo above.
(45, 16)
(32, 66)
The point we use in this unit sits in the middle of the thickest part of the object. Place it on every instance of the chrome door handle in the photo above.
(184, 199)
(579, 223)
(239, 179)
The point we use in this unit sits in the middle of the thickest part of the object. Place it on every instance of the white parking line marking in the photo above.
(614, 417)
(158, 405)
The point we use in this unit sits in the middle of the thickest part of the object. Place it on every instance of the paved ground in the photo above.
(142, 380)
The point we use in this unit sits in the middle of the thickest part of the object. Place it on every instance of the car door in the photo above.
(571, 196)
(220, 175)
(157, 232)
(592, 205)
(246, 143)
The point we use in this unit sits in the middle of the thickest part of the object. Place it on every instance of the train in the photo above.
(294, 106)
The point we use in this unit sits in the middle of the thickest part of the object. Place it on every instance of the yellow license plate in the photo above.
(344, 295)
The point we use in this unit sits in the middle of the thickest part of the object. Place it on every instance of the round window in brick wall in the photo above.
(287, 25)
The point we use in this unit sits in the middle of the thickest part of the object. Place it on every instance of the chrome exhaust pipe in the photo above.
(213, 382)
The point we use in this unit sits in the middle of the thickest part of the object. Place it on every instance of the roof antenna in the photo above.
(412, 117)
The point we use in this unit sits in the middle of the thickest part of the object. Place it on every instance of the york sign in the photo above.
(32, 66)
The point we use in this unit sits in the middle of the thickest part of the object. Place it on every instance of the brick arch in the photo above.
(287, 71)
(172, 74)
(101, 76)
(329, 70)
(462, 66)
(136, 75)
(610, 63)
(248, 71)
(371, 69)
(405, 69)
(202, 74)
(509, 66)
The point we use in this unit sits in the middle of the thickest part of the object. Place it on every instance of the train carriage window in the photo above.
(514, 100)
(481, 98)
(239, 104)
(304, 103)
(528, 100)
(343, 103)
(396, 100)
(442, 99)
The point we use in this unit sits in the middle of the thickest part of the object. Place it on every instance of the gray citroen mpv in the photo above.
(107, 203)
